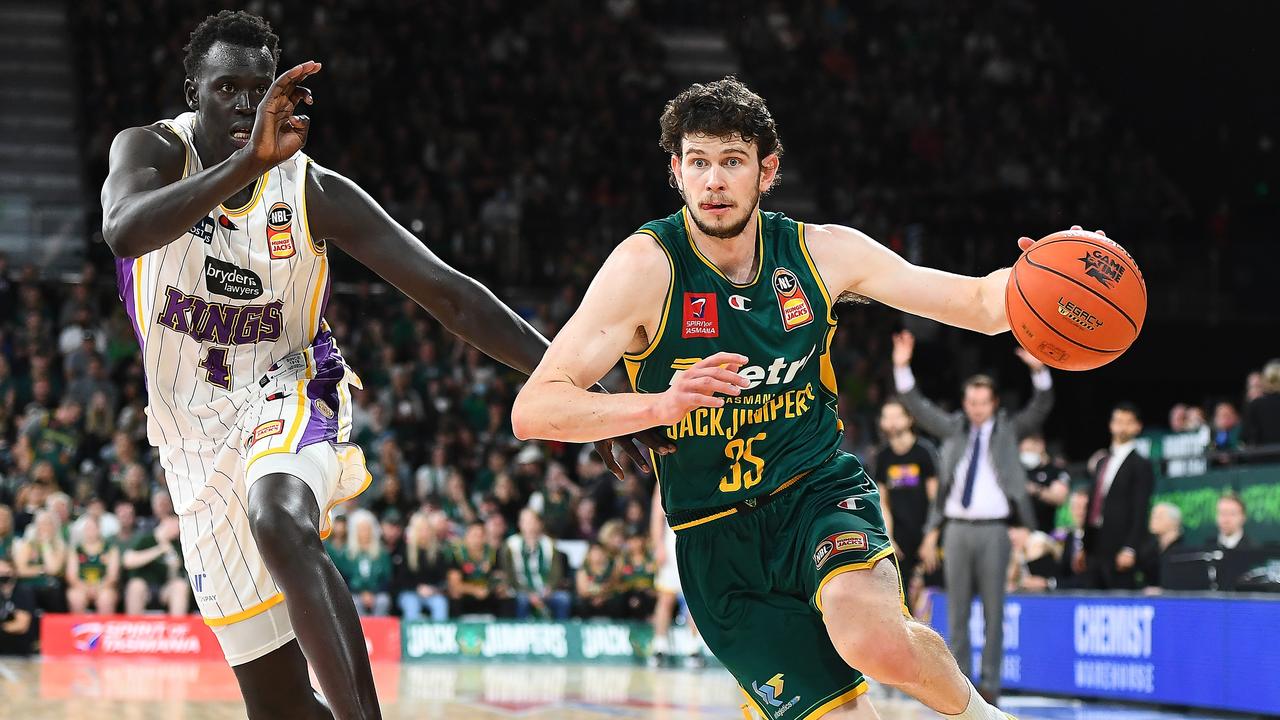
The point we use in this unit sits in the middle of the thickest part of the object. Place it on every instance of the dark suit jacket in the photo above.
(1124, 509)
(952, 430)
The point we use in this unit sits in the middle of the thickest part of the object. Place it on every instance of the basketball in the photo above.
(1076, 300)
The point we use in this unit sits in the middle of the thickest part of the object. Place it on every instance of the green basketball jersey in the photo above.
(785, 423)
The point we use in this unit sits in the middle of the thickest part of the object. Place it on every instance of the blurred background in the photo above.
(519, 142)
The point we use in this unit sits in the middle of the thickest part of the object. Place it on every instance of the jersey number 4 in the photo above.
(741, 453)
(216, 370)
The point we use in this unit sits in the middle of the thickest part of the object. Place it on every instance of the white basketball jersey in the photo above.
(217, 307)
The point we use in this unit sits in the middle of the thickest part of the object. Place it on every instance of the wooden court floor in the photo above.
(168, 690)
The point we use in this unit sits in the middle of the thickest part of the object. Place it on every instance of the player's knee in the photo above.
(280, 524)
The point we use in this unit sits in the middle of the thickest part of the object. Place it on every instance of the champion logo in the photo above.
(738, 302)
(226, 223)
(850, 503)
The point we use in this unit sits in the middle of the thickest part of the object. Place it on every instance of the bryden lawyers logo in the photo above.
(224, 278)
(1102, 267)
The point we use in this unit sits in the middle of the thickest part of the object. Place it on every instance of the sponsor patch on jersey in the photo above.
(226, 223)
(323, 408)
(266, 429)
(224, 278)
(739, 302)
(203, 229)
(793, 304)
(280, 231)
(850, 503)
(838, 543)
(701, 317)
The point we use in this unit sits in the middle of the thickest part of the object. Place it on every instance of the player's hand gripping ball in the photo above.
(1076, 300)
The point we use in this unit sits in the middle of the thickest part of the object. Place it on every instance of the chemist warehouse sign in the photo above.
(1208, 653)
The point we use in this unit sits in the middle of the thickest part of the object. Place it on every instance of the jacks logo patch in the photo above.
(266, 429)
(280, 231)
(838, 543)
(1103, 268)
(701, 317)
(793, 304)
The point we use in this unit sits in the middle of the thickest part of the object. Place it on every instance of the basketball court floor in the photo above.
(169, 690)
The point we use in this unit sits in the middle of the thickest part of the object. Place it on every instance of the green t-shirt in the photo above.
(369, 573)
(155, 572)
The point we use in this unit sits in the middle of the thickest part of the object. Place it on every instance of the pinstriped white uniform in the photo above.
(239, 365)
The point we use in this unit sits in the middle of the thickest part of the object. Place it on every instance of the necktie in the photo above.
(1095, 504)
(972, 473)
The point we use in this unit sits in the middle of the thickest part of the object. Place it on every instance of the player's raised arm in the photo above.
(849, 261)
(147, 204)
(555, 405)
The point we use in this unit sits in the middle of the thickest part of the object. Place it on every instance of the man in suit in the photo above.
(982, 491)
(1231, 519)
(1116, 519)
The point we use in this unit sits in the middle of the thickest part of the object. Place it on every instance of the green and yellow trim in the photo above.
(733, 510)
(851, 567)
(666, 308)
(258, 189)
(817, 276)
(684, 215)
(842, 699)
(247, 613)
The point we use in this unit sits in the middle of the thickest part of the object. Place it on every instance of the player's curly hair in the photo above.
(236, 27)
(722, 109)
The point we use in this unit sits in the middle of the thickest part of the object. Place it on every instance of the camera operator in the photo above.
(17, 613)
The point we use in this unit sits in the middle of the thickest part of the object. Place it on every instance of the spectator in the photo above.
(635, 517)
(1072, 538)
(1165, 538)
(1226, 426)
(555, 501)
(1195, 418)
(1262, 414)
(1231, 519)
(40, 560)
(636, 575)
(982, 490)
(392, 528)
(585, 519)
(108, 523)
(429, 480)
(154, 573)
(496, 531)
(455, 504)
(508, 498)
(58, 441)
(6, 532)
(598, 484)
(1178, 418)
(597, 585)
(368, 567)
(613, 536)
(128, 520)
(536, 571)
(93, 572)
(135, 490)
(422, 580)
(1034, 567)
(472, 582)
(1116, 519)
(17, 613)
(907, 477)
(336, 544)
(1047, 484)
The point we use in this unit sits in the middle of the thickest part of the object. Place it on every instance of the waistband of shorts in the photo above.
(985, 521)
(692, 518)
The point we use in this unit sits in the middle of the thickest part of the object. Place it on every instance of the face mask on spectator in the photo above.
(1030, 460)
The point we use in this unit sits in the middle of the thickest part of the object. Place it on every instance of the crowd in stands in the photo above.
(461, 518)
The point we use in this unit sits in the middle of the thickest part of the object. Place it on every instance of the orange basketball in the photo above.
(1076, 300)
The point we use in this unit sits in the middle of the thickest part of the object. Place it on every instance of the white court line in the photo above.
(7, 673)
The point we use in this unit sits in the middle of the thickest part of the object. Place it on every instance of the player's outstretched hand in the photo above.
(1025, 243)
(700, 385)
(277, 132)
(652, 439)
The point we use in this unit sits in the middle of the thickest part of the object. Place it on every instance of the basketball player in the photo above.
(221, 226)
(723, 316)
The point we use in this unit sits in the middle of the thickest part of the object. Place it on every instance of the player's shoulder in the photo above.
(148, 143)
(643, 255)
